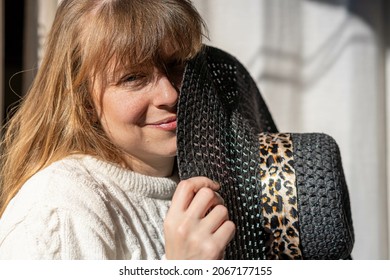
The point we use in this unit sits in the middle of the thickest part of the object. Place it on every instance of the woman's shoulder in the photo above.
(65, 184)
(60, 177)
(59, 199)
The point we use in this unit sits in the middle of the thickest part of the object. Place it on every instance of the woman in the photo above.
(88, 167)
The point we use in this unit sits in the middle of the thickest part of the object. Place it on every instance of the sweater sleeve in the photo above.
(34, 236)
(46, 233)
(62, 219)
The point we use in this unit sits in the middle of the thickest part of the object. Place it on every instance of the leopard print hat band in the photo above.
(305, 201)
(285, 192)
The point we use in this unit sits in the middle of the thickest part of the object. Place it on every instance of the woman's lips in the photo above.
(167, 124)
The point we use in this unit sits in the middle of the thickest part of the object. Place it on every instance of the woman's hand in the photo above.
(197, 225)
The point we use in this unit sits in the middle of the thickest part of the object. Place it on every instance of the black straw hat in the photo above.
(285, 192)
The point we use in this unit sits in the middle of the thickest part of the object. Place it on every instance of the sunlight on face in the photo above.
(137, 110)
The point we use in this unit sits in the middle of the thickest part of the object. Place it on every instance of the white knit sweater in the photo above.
(85, 208)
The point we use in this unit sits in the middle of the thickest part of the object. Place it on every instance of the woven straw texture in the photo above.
(215, 118)
(323, 200)
(220, 114)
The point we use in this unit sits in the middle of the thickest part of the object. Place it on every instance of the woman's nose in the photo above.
(166, 94)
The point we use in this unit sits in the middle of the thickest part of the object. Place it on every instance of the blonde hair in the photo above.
(54, 119)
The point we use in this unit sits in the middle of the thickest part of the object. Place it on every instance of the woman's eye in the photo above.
(134, 80)
(130, 78)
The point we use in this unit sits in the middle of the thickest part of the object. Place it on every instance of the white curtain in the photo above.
(321, 66)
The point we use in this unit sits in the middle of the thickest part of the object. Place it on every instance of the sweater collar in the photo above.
(130, 181)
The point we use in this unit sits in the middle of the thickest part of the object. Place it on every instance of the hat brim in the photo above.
(220, 115)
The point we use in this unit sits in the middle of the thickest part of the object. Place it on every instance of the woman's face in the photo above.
(138, 112)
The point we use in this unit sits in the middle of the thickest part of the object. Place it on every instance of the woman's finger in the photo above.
(204, 201)
(224, 234)
(187, 189)
(217, 216)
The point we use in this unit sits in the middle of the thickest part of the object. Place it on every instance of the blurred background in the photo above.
(321, 65)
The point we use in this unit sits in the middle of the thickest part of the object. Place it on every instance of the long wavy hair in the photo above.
(55, 119)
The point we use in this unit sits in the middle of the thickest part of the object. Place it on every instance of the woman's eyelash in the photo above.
(132, 78)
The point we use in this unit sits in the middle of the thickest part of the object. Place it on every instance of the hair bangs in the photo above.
(140, 34)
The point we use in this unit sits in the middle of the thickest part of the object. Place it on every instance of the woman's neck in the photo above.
(158, 168)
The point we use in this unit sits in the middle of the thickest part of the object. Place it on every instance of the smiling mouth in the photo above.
(168, 124)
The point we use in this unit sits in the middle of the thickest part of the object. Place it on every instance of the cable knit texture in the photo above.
(84, 208)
